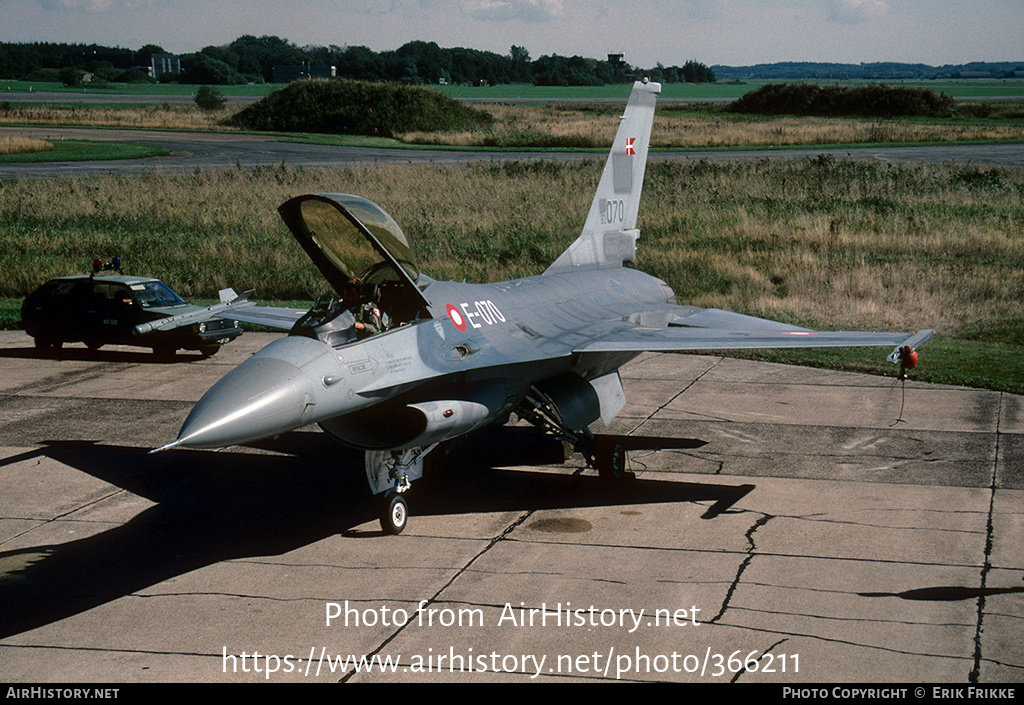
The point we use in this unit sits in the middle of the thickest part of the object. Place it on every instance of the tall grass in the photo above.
(18, 144)
(689, 129)
(819, 242)
(162, 116)
(685, 127)
(847, 243)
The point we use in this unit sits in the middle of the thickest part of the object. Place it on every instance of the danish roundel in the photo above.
(457, 318)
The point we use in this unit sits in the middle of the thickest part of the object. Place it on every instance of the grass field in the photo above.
(129, 89)
(819, 242)
(1000, 88)
(579, 126)
(84, 150)
(702, 126)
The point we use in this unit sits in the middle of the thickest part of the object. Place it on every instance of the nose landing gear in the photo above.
(390, 473)
(394, 513)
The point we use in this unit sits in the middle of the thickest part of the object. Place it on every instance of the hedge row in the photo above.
(870, 101)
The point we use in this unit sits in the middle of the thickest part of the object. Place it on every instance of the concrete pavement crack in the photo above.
(751, 552)
(975, 674)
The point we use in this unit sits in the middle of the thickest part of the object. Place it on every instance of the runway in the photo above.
(191, 151)
(816, 537)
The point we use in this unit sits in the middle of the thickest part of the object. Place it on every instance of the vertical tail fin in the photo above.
(609, 234)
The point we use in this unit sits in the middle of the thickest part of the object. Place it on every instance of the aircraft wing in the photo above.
(711, 329)
(230, 302)
(270, 316)
(232, 306)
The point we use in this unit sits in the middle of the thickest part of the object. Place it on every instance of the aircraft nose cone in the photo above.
(262, 397)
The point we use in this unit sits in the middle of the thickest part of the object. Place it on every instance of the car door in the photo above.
(112, 313)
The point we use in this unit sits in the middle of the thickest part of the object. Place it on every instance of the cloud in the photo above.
(504, 10)
(856, 11)
(85, 5)
(95, 6)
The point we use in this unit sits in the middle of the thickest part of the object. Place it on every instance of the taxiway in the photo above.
(197, 150)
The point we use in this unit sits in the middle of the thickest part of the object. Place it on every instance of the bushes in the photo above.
(353, 107)
(870, 101)
(209, 98)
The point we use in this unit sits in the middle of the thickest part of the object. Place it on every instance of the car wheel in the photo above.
(165, 352)
(45, 342)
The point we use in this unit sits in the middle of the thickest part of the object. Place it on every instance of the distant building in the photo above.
(160, 64)
(617, 59)
(975, 74)
(287, 74)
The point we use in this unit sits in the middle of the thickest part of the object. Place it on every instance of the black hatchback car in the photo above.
(104, 309)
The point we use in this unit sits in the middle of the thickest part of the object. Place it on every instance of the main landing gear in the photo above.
(610, 460)
(605, 454)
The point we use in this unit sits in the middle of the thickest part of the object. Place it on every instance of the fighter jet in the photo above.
(395, 363)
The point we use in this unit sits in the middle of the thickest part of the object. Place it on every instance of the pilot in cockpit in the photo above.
(361, 301)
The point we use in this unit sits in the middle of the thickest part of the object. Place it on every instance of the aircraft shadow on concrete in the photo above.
(215, 506)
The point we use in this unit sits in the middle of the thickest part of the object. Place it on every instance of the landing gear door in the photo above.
(352, 238)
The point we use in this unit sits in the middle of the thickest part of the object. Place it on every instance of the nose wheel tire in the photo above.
(394, 513)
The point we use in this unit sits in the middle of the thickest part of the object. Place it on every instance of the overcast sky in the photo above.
(730, 32)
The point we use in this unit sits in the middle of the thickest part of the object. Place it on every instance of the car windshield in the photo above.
(156, 295)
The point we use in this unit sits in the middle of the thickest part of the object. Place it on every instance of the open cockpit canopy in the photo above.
(350, 238)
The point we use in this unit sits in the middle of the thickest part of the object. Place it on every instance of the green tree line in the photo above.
(251, 59)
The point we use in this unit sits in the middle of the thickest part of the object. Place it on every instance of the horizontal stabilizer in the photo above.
(693, 316)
